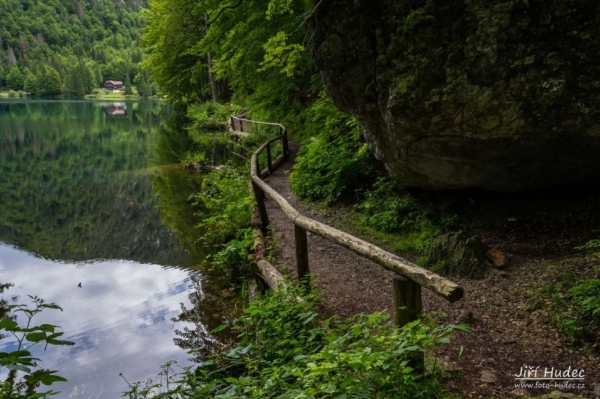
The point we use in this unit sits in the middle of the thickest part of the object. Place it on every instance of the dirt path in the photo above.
(508, 330)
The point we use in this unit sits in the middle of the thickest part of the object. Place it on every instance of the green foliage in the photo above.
(52, 83)
(209, 116)
(103, 34)
(281, 55)
(575, 310)
(225, 196)
(386, 207)
(233, 257)
(336, 163)
(128, 89)
(192, 159)
(21, 359)
(30, 85)
(575, 305)
(286, 351)
(15, 79)
(181, 35)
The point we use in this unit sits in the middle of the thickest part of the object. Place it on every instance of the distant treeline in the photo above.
(70, 47)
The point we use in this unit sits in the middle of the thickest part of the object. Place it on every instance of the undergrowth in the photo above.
(336, 166)
(335, 163)
(209, 116)
(575, 305)
(287, 351)
(225, 196)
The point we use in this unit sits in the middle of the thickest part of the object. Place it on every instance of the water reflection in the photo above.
(80, 188)
(120, 319)
(115, 108)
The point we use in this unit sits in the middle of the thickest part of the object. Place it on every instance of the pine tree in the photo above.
(75, 82)
(148, 89)
(128, 90)
(39, 78)
(2, 77)
(52, 83)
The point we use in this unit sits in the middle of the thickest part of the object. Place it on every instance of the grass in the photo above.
(412, 245)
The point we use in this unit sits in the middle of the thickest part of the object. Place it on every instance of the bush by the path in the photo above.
(286, 351)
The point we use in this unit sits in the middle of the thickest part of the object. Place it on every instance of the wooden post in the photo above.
(408, 307)
(269, 162)
(259, 195)
(284, 142)
(301, 254)
(257, 164)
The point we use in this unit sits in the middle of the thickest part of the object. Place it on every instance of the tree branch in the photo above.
(225, 8)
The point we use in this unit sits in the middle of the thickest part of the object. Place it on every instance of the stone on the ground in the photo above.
(489, 377)
(519, 392)
(465, 317)
(497, 258)
(457, 254)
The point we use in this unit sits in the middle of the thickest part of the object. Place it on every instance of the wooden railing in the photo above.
(408, 277)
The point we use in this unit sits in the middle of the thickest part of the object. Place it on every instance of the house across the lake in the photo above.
(113, 85)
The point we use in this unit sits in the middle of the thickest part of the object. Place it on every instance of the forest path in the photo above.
(505, 335)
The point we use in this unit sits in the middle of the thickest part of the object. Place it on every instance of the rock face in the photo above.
(498, 94)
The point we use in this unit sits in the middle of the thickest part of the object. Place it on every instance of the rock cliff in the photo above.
(497, 94)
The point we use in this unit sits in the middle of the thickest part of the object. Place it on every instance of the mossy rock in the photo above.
(458, 254)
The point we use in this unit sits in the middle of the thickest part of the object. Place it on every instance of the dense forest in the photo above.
(69, 47)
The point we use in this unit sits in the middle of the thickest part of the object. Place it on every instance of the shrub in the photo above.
(225, 195)
(335, 163)
(193, 159)
(208, 116)
(286, 351)
(386, 208)
(581, 321)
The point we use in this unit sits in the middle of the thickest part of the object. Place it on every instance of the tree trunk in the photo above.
(211, 77)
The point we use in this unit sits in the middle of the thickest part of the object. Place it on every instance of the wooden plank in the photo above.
(302, 254)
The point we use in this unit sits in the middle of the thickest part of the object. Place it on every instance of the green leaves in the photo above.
(281, 55)
(21, 359)
(286, 351)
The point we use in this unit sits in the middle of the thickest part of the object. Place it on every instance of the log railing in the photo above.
(408, 277)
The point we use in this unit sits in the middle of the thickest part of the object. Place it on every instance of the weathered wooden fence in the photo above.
(408, 277)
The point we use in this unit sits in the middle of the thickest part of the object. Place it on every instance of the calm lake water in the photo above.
(90, 194)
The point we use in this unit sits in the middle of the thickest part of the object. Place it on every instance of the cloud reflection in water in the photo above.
(120, 318)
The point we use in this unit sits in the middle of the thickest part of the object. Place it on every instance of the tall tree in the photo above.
(80, 11)
(15, 79)
(12, 60)
(30, 85)
(2, 77)
(128, 90)
(52, 83)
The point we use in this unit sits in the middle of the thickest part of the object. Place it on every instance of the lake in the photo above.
(95, 216)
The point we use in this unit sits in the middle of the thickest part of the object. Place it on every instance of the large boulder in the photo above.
(497, 94)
